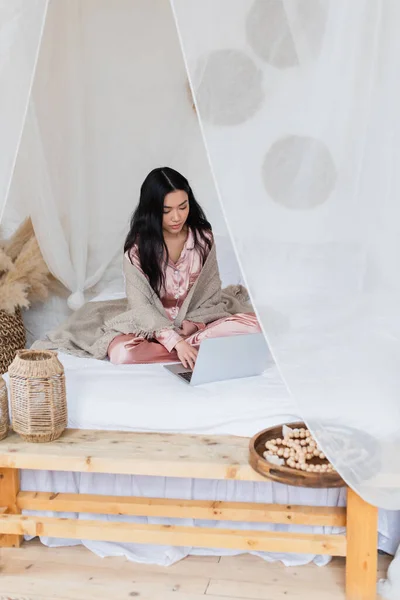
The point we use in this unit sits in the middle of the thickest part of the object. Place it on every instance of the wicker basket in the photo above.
(12, 337)
(38, 397)
(4, 417)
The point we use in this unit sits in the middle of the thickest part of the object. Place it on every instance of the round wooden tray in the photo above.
(288, 475)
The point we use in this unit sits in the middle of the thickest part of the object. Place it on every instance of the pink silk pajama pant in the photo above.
(130, 349)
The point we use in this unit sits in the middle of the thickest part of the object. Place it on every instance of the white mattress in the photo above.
(148, 398)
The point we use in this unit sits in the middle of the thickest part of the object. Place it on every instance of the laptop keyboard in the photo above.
(187, 376)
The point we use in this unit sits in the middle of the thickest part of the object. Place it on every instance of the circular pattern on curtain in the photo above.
(229, 88)
(268, 33)
(296, 160)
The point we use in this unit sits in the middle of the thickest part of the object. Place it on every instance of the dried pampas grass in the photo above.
(14, 245)
(24, 275)
(13, 296)
(5, 262)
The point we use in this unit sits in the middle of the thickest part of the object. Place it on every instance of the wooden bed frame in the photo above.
(204, 457)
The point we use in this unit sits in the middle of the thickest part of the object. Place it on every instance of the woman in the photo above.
(169, 243)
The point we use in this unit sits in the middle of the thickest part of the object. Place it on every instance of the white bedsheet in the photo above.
(147, 398)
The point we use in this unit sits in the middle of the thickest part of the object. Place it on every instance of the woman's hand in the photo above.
(186, 354)
(188, 328)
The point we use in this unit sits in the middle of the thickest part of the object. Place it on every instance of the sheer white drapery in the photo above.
(298, 102)
(21, 26)
(299, 115)
(110, 101)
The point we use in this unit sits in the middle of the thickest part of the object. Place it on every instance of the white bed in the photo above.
(147, 398)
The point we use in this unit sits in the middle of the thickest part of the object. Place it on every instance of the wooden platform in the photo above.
(210, 457)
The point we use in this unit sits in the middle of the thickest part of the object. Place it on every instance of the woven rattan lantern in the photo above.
(4, 418)
(38, 397)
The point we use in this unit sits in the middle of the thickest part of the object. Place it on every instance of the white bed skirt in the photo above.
(195, 489)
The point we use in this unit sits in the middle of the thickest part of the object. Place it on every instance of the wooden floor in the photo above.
(35, 572)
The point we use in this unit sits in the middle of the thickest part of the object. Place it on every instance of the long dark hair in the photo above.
(146, 223)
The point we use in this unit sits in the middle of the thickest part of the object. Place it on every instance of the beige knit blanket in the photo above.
(89, 331)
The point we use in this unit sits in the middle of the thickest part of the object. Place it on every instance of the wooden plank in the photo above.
(362, 555)
(9, 488)
(125, 580)
(183, 509)
(36, 590)
(175, 535)
(102, 574)
(235, 590)
(41, 579)
(203, 457)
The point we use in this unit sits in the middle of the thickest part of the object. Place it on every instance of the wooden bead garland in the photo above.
(295, 449)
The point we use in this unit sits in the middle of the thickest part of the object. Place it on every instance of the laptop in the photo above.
(225, 358)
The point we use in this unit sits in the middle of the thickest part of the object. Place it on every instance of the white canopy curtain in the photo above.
(298, 102)
(21, 27)
(110, 101)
